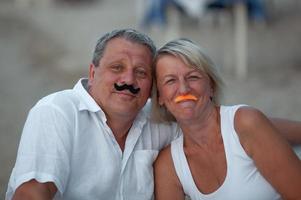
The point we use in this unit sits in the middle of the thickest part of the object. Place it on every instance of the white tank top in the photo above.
(243, 181)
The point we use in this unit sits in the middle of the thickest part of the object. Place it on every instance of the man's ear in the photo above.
(91, 72)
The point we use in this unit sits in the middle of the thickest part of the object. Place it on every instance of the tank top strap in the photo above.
(229, 135)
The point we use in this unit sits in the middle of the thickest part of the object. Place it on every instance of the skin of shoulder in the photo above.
(167, 183)
(247, 124)
(272, 154)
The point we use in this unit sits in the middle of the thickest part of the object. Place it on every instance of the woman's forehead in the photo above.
(174, 62)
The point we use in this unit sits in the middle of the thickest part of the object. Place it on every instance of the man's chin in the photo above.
(128, 113)
(126, 108)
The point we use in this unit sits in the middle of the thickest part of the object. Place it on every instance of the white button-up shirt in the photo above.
(66, 140)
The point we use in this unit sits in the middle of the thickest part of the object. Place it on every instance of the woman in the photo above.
(225, 152)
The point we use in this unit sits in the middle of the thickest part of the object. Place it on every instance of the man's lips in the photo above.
(185, 98)
(124, 93)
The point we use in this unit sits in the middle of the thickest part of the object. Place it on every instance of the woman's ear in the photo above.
(160, 101)
(212, 86)
(211, 93)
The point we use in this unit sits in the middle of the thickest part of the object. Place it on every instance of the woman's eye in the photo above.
(169, 81)
(193, 77)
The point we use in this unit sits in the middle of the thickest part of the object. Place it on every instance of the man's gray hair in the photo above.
(131, 35)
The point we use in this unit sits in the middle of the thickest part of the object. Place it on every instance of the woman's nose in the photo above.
(184, 87)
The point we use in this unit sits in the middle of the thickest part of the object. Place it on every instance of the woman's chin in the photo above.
(185, 115)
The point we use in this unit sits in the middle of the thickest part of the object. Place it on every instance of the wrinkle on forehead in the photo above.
(121, 49)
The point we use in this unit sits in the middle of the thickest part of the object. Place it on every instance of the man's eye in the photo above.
(116, 68)
(141, 73)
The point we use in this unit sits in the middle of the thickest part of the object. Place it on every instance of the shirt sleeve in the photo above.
(44, 150)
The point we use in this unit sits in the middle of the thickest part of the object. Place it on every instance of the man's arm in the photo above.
(289, 129)
(33, 190)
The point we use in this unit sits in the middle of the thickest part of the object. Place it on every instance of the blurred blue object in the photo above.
(155, 13)
(256, 8)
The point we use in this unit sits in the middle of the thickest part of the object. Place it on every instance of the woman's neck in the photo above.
(203, 130)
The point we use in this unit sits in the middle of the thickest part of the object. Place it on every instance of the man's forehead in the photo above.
(122, 46)
(119, 41)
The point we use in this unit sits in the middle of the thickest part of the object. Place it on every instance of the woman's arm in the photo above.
(290, 129)
(167, 184)
(272, 155)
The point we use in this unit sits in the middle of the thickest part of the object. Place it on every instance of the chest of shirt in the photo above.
(99, 166)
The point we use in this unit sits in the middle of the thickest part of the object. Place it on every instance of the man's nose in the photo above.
(128, 77)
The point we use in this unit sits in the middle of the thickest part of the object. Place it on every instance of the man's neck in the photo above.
(120, 127)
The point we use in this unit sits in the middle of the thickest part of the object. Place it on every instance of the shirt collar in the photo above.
(143, 115)
(86, 100)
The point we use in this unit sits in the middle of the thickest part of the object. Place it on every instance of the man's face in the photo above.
(123, 62)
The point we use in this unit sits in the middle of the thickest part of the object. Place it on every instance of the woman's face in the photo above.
(175, 81)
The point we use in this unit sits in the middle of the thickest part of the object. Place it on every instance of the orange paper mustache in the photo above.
(185, 97)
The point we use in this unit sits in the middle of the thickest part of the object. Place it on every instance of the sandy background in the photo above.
(46, 47)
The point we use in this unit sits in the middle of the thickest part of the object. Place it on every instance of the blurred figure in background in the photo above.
(155, 14)
(256, 8)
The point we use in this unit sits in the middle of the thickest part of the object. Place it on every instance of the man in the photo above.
(95, 141)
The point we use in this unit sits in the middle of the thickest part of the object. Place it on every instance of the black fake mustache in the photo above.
(127, 87)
